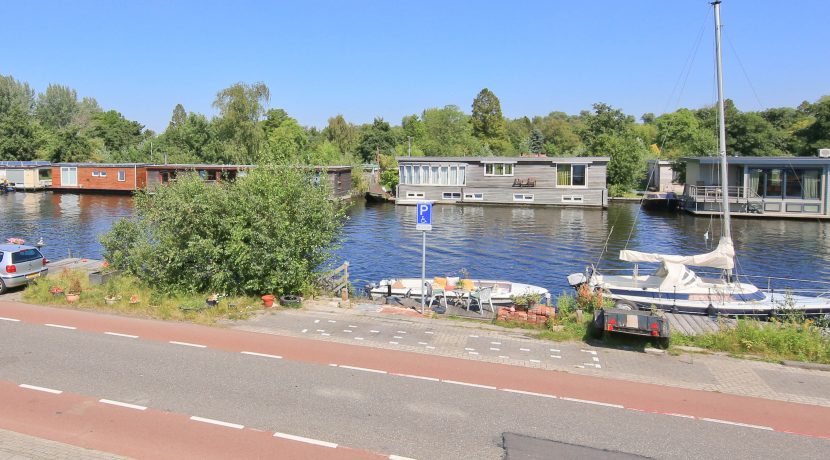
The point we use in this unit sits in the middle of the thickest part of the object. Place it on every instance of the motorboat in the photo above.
(503, 292)
(675, 287)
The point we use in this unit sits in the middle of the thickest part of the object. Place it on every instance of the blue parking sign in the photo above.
(424, 216)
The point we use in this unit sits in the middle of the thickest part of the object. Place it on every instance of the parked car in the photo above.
(20, 264)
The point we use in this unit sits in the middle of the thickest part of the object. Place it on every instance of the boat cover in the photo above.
(722, 257)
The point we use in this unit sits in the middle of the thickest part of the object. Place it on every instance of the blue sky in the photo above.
(391, 58)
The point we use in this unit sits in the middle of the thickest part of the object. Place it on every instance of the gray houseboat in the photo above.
(760, 186)
(562, 181)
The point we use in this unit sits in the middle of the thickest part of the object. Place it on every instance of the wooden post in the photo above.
(344, 294)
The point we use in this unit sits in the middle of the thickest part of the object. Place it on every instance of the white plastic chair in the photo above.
(481, 297)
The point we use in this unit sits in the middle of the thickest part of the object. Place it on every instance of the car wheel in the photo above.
(597, 327)
(3, 288)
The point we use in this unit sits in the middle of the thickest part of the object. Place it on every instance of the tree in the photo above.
(537, 141)
(285, 144)
(604, 120)
(266, 232)
(116, 132)
(341, 133)
(488, 122)
(18, 139)
(680, 134)
(240, 107)
(57, 107)
(378, 137)
(179, 117)
(627, 165)
(71, 146)
(15, 94)
(749, 134)
(446, 132)
(816, 135)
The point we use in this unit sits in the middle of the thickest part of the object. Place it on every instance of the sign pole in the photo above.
(423, 271)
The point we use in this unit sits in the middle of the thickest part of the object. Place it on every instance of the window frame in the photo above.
(451, 195)
(503, 172)
(571, 175)
(471, 196)
(524, 197)
(122, 175)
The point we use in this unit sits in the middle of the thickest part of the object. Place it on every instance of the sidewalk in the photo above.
(369, 326)
(16, 446)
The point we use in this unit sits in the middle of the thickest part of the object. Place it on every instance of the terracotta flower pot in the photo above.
(268, 300)
(72, 298)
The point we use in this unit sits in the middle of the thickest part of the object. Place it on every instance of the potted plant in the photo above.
(111, 296)
(268, 300)
(526, 301)
(73, 292)
(212, 300)
(56, 290)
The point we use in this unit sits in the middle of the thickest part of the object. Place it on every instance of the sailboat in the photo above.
(676, 287)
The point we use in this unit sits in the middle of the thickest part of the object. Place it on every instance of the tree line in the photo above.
(56, 125)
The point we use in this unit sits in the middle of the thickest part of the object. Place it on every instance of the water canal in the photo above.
(533, 245)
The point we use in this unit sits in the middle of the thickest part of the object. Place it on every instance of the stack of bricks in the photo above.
(536, 315)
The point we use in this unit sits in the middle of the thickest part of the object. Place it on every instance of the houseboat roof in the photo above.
(197, 166)
(24, 164)
(763, 161)
(575, 160)
(102, 165)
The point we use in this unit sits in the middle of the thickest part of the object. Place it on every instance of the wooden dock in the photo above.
(697, 324)
(74, 263)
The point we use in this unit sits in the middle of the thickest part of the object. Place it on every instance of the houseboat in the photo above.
(537, 180)
(26, 175)
(763, 186)
(98, 177)
(662, 190)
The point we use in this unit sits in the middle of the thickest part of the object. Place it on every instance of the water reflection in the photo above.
(535, 245)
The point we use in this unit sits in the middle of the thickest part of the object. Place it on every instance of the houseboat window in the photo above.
(451, 195)
(122, 176)
(811, 183)
(498, 169)
(522, 197)
(792, 189)
(453, 174)
(443, 179)
(102, 174)
(474, 196)
(775, 177)
(44, 174)
(434, 175)
(569, 175)
(94, 173)
(462, 175)
(414, 194)
(416, 175)
(572, 198)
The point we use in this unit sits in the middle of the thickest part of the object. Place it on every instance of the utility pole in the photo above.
(409, 138)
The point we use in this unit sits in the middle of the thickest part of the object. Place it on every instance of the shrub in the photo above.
(266, 232)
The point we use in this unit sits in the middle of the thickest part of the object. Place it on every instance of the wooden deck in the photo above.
(697, 324)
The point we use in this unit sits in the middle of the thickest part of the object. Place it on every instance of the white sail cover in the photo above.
(722, 257)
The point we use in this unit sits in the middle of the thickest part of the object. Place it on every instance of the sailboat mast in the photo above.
(724, 173)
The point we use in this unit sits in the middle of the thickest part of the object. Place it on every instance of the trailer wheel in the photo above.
(597, 327)
(625, 305)
(662, 342)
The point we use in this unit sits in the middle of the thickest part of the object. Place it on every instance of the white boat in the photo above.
(502, 294)
(673, 286)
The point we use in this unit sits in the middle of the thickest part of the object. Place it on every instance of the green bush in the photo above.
(264, 233)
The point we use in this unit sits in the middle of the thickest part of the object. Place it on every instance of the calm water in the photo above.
(533, 245)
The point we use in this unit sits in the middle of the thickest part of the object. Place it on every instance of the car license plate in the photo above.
(32, 276)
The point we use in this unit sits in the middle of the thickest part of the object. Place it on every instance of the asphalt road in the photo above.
(375, 412)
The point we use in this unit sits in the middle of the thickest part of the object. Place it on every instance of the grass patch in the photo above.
(796, 339)
(133, 298)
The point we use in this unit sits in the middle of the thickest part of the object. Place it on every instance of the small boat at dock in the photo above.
(502, 294)
(661, 201)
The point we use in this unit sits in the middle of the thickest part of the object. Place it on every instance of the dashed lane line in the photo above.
(529, 393)
(122, 404)
(188, 344)
(419, 377)
(61, 326)
(745, 425)
(316, 442)
(118, 334)
(37, 388)
(588, 401)
(263, 355)
(2, 318)
(398, 457)
(217, 422)
(364, 369)
(467, 384)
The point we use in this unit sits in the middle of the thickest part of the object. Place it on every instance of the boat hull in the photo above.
(502, 294)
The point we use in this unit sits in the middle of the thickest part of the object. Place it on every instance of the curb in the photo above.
(804, 365)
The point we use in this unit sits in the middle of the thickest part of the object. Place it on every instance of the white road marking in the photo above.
(376, 371)
(305, 330)
(595, 403)
(217, 422)
(555, 356)
(419, 377)
(596, 359)
(524, 349)
(504, 357)
(325, 334)
(264, 355)
(43, 389)
(321, 330)
(535, 361)
(187, 344)
(397, 337)
(117, 334)
(332, 321)
(679, 415)
(745, 425)
(473, 352)
(316, 321)
(393, 343)
(555, 350)
(347, 330)
(358, 338)
(530, 393)
(476, 385)
(316, 442)
(430, 347)
(422, 343)
(353, 327)
(495, 349)
(469, 349)
(374, 331)
(398, 457)
(589, 351)
(122, 404)
(9, 319)
(495, 343)
(60, 326)
(401, 332)
(429, 332)
(473, 336)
